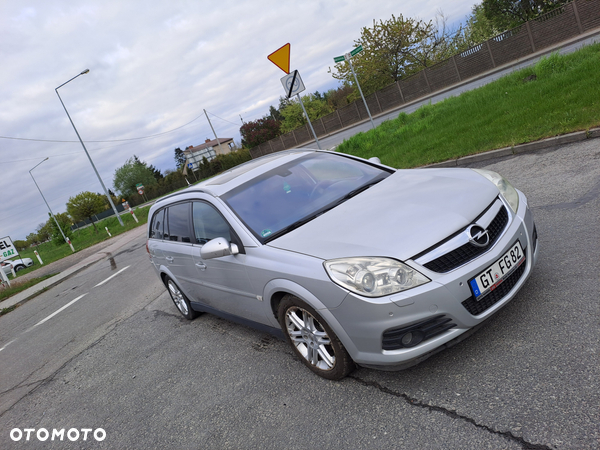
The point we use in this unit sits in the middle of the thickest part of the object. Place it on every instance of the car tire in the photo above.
(313, 340)
(19, 267)
(180, 300)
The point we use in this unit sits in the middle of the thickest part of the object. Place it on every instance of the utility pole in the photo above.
(213, 130)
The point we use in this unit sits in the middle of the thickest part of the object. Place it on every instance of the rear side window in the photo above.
(178, 220)
(208, 223)
(156, 230)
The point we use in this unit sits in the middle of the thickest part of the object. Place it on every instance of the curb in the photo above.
(37, 289)
(543, 144)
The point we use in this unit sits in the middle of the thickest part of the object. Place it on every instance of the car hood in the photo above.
(399, 217)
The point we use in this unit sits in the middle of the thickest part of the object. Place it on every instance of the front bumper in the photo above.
(365, 321)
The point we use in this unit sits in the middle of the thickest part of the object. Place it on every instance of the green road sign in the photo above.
(356, 51)
(347, 56)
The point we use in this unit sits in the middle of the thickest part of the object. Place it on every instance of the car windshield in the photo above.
(284, 198)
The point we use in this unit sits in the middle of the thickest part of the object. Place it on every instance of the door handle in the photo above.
(169, 258)
(201, 266)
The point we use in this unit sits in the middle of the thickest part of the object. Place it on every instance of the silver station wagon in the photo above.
(354, 262)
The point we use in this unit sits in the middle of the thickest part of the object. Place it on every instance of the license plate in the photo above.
(493, 276)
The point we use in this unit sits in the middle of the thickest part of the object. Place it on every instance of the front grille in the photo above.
(422, 331)
(468, 251)
(477, 307)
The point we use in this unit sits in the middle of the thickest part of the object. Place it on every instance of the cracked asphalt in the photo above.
(122, 359)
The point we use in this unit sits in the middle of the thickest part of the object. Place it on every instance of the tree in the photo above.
(155, 172)
(258, 131)
(44, 230)
(179, 158)
(338, 98)
(85, 205)
(479, 28)
(507, 14)
(65, 224)
(32, 239)
(293, 116)
(131, 173)
(396, 48)
(20, 245)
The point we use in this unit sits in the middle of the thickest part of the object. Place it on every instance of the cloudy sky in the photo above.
(154, 66)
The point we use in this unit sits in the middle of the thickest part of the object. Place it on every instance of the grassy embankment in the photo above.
(563, 97)
(83, 238)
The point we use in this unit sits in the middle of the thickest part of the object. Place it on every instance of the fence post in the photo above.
(400, 90)
(339, 118)
(357, 110)
(426, 79)
(378, 104)
(490, 50)
(577, 17)
(323, 125)
(456, 67)
(530, 36)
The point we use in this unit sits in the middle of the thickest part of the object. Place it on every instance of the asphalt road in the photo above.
(122, 359)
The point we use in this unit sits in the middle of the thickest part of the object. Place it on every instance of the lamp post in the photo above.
(67, 240)
(85, 149)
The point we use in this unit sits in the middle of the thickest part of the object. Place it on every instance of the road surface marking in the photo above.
(112, 276)
(57, 311)
(7, 344)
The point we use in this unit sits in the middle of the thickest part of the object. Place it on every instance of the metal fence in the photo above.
(561, 24)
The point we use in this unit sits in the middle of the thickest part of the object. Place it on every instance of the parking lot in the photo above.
(121, 358)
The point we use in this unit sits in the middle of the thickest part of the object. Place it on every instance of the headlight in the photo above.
(509, 193)
(373, 277)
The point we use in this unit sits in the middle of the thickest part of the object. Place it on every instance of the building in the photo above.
(209, 150)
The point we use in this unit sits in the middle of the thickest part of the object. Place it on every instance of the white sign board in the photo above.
(292, 84)
(7, 249)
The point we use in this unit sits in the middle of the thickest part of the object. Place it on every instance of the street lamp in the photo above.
(85, 149)
(59, 228)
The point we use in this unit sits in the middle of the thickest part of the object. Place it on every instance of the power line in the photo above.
(224, 120)
(111, 140)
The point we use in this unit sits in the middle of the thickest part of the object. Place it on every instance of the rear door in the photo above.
(177, 246)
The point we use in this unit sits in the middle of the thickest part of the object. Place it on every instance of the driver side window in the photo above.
(208, 223)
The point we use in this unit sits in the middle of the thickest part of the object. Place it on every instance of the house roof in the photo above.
(208, 143)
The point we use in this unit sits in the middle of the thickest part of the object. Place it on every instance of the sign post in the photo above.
(348, 57)
(292, 83)
(3, 278)
(7, 251)
(140, 190)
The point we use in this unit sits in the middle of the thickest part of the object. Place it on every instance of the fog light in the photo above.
(412, 338)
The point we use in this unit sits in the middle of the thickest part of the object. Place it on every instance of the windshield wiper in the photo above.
(292, 227)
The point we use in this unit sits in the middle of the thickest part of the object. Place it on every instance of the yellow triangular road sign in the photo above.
(281, 58)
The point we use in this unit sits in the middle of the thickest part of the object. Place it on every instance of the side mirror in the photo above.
(218, 247)
(375, 160)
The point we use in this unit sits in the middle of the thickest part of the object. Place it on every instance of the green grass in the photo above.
(83, 238)
(17, 287)
(565, 97)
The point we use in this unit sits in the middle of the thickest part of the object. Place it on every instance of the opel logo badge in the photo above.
(478, 236)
